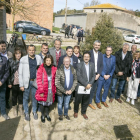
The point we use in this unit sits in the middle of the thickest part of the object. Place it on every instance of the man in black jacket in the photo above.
(122, 71)
(4, 74)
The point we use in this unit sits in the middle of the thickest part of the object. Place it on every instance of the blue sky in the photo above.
(78, 4)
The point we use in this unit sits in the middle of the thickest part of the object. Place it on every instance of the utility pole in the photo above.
(66, 13)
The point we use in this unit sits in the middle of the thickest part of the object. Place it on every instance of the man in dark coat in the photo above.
(122, 71)
(68, 31)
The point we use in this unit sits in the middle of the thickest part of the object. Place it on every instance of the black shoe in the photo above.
(27, 117)
(67, 117)
(48, 118)
(43, 119)
(61, 117)
(69, 107)
(7, 106)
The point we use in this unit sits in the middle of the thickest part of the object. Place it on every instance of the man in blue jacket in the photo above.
(4, 74)
(109, 62)
(97, 59)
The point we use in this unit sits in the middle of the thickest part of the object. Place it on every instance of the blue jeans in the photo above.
(93, 90)
(2, 99)
(26, 98)
(120, 87)
(66, 99)
(106, 84)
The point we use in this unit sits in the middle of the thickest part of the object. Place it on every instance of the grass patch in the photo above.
(56, 29)
(10, 32)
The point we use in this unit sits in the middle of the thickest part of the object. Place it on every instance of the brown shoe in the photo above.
(85, 116)
(111, 100)
(91, 106)
(119, 100)
(75, 115)
(99, 105)
(105, 104)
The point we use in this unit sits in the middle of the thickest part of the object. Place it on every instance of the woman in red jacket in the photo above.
(45, 94)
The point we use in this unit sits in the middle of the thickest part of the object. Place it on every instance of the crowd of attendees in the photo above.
(64, 76)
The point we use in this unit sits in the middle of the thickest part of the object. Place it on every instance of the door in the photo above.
(35, 28)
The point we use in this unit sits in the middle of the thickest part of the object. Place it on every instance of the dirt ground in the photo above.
(119, 121)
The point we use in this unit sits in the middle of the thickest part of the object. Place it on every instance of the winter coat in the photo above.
(74, 31)
(42, 83)
(123, 65)
(14, 65)
(4, 69)
(60, 80)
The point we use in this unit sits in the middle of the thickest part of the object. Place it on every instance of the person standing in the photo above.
(45, 94)
(109, 62)
(73, 58)
(4, 74)
(79, 35)
(13, 82)
(85, 77)
(77, 53)
(56, 52)
(8, 55)
(122, 71)
(134, 79)
(74, 32)
(27, 75)
(97, 59)
(82, 33)
(66, 82)
(44, 51)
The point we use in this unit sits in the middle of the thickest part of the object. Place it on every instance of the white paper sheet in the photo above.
(81, 90)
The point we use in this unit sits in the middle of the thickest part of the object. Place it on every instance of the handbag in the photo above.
(35, 82)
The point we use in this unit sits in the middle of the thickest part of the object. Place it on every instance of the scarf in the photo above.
(135, 64)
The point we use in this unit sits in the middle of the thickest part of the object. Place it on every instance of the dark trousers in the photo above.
(79, 39)
(7, 95)
(93, 90)
(138, 94)
(66, 34)
(84, 100)
(17, 94)
(2, 99)
(44, 110)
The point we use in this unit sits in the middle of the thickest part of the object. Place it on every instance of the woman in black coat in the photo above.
(77, 53)
(13, 81)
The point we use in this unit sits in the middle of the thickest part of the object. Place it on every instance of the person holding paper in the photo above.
(66, 82)
(85, 77)
(109, 63)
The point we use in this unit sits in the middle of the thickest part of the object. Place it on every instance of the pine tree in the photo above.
(106, 33)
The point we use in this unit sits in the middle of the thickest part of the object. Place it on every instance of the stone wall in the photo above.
(2, 23)
(42, 13)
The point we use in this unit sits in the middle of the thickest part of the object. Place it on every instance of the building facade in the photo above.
(40, 12)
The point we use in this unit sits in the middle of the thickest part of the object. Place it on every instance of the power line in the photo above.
(80, 2)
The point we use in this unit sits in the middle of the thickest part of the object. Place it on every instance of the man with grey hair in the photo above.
(56, 52)
(122, 71)
(97, 59)
(66, 82)
(109, 62)
(27, 74)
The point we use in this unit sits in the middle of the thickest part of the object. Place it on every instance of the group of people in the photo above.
(64, 76)
(74, 32)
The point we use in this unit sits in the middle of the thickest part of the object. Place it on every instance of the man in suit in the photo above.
(27, 74)
(97, 59)
(57, 51)
(109, 62)
(73, 58)
(122, 71)
(85, 77)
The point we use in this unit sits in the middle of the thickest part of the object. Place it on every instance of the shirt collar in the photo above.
(95, 52)
(86, 64)
(66, 69)
(108, 57)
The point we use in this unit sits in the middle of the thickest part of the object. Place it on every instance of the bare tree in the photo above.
(20, 8)
(93, 2)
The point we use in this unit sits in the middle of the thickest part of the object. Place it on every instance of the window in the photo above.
(101, 11)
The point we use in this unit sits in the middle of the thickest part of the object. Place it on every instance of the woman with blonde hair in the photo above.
(134, 80)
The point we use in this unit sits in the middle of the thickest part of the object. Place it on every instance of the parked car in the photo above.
(132, 38)
(30, 27)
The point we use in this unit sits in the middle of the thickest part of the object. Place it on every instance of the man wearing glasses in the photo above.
(109, 62)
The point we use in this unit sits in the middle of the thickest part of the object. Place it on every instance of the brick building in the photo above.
(41, 13)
